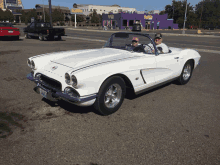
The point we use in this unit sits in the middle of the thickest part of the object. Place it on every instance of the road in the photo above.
(169, 125)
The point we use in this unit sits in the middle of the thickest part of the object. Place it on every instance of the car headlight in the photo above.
(29, 62)
(70, 80)
(73, 81)
(67, 78)
(32, 65)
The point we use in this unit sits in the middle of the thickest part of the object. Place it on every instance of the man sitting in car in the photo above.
(161, 47)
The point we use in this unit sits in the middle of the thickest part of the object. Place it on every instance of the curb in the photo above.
(189, 35)
(171, 34)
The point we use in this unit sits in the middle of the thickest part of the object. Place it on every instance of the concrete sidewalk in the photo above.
(146, 31)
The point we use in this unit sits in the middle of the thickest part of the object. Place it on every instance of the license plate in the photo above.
(10, 31)
(43, 93)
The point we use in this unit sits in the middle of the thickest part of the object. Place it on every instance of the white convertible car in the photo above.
(101, 77)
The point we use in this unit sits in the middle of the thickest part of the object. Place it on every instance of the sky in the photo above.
(140, 5)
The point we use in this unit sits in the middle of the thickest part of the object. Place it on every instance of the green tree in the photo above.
(32, 13)
(2, 15)
(95, 18)
(162, 12)
(79, 18)
(210, 10)
(8, 16)
(179, 13)
(57, 15)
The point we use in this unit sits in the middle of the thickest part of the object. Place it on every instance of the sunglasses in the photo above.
(134, 41)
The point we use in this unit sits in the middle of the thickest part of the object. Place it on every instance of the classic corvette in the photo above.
(8, 30)
(101, 77)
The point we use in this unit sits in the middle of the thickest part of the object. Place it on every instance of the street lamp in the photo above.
(184, 19)
(50, 13)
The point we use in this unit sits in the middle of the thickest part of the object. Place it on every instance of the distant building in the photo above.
(88, 8)
(12, 5)
(148, 21)
(149, 12)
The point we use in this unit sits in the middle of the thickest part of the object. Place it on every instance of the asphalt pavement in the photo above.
(171, 124)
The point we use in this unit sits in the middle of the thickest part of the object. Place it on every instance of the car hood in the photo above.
(81, 59)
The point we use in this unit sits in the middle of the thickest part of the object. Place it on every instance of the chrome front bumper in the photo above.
(54, 94)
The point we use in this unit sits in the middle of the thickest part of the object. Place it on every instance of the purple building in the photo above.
(148, 21)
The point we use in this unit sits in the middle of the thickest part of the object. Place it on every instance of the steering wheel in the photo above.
(139, 48)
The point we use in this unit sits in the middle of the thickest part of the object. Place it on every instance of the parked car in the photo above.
(8, 30)
(101, 77)
(136, 27)
(43, 30)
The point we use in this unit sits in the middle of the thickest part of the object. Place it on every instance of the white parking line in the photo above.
(199, 50)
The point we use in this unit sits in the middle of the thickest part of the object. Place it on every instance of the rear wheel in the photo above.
(186, 73)
(59, 38)
(111, 95)
(41, 37)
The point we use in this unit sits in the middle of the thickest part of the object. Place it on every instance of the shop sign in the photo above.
(149, 17)
(110, 16)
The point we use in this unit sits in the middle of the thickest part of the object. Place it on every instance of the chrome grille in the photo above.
(50, 83)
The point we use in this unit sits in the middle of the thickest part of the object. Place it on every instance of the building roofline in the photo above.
(105, 5)
(41, 5)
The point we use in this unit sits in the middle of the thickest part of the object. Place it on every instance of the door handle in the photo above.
(176, 57)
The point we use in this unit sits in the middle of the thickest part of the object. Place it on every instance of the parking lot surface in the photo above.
(171, 124)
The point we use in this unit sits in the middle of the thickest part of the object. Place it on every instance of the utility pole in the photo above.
(173, 8)
(43, 11)
(201, 14)
(184, 19)
(50, 13)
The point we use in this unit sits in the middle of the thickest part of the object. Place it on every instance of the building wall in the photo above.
(156, 21)
(87, 9)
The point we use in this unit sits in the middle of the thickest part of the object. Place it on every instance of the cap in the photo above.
(135, 39)
(158, 35)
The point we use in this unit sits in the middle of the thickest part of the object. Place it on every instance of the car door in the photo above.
(147, 65)
(31, 29)
(167, 67)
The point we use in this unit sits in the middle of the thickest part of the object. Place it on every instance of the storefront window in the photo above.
(124, 22)
(131, 22)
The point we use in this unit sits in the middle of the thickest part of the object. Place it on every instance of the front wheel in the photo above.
(26, 36)
(186, 73)
(111, 95)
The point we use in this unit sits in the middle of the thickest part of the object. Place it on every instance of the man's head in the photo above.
(158, 38)
(135, 41)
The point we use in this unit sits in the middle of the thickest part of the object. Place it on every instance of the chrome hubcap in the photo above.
(113, 95)
(186, 72)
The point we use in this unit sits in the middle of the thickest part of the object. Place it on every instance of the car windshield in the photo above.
(124, 41)
(6, 25)
(43, 25)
